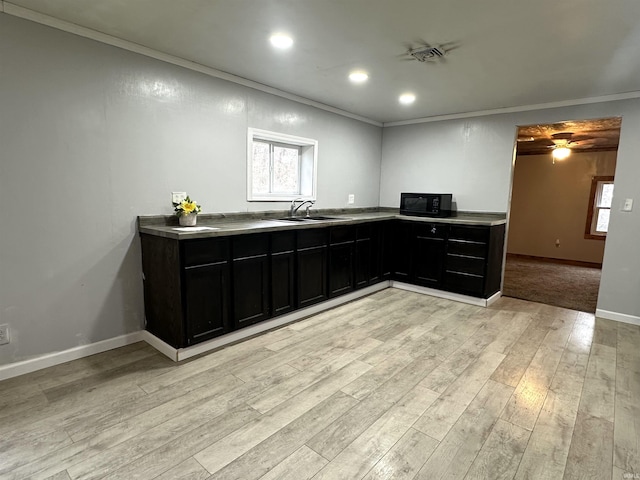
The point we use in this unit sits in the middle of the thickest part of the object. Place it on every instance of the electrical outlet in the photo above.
(628, 205)
(177, 197)
(4, 334)
(352, 199)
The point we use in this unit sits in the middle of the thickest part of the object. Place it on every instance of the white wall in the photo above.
(472, 158)
(550, 202)
(92, 136)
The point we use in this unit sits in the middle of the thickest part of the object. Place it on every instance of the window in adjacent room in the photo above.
(280, 167)
(600, 200)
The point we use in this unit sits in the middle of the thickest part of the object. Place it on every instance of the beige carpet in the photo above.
(555, 284)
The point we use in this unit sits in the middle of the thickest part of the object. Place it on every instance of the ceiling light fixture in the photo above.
(281, 40)
(560, 153)
(358, 77)
(407, 98)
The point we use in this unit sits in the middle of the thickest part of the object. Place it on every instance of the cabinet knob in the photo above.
(433, 229)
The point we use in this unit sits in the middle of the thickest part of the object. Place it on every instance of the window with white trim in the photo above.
(600, 200)
(280, 167)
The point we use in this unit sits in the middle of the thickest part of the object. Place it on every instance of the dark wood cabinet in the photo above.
(251, 279)
(402, 251)
(197, 289)
(473, 264)
(385, 248)
(366, 269)
(206, 274)
(311, 266)
(206, 291)
(162, 279)
(341, 251)
(464, 259)
(283, 272)
(429, 254)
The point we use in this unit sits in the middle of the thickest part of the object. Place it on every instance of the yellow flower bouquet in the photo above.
(186, 211)
(186, 207)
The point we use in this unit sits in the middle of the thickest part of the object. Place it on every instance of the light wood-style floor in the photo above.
(396, 385)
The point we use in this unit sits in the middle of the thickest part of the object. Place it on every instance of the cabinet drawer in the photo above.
(465, 264)
(342, 234)
(250, 245)
(431, 230)
(464, 282)
(474, 234)
(283, 242)
(467, 248)
(204, 251)
(314, 237)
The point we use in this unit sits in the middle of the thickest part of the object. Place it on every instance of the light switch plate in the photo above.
(628, 205)
(352, 199)
(177, 197)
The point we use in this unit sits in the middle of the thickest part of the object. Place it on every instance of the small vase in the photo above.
(188, 220)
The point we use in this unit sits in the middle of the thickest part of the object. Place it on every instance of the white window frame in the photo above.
(594, 207)
(308, 165)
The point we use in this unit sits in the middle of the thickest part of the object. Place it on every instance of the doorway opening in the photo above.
(562, 189)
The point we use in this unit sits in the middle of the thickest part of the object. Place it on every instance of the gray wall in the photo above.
(473, 158)
(92, 136)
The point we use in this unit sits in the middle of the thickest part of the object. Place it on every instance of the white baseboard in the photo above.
(160, 345)
(494, 298)
(179, 354)
(618, 317)
(480, 302)
(52, 359)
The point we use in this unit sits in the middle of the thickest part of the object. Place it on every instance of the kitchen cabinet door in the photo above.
(206, 301)
(311, 273)
(365, 266)
(385, 249)
(401, 250)
(250, 290)
(311, 266)
(429, 255)
(250, 274)
(340, 269)
(283, 272)
(282, 282)
(341, 252)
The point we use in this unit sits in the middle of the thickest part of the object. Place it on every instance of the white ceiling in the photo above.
(511, 52)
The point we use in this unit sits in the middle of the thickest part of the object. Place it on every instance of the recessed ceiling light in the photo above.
(407, 98)
(358, 77)
(281, 40)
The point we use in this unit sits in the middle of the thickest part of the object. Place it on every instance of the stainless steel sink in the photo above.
(320, 217)
(304, 219)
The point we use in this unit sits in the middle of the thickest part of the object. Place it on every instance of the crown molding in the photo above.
(523, 108)
(27, 14)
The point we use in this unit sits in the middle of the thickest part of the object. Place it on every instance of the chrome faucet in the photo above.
(293, 209)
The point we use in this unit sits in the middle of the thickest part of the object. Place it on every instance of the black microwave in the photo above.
(426, 204)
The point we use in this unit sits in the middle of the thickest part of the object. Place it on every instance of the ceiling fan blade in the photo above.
(581, 138)
(562, 136)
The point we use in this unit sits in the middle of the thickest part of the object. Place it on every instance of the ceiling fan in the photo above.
(560, 143)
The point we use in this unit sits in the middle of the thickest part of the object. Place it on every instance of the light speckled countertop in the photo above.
(256, 222)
